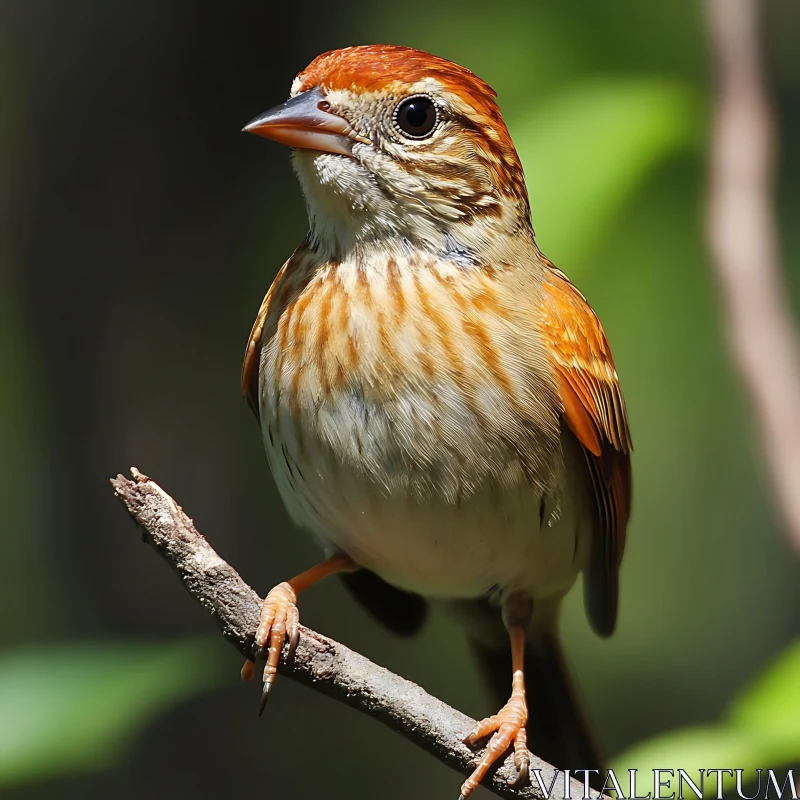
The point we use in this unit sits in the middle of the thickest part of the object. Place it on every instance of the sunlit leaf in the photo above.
(761, 731)
(586, 151)
(770, 708)
(690, 749)
(74, 708)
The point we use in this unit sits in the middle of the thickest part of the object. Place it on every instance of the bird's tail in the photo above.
(558, 727)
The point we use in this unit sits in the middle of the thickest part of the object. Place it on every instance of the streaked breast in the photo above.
(392, 385)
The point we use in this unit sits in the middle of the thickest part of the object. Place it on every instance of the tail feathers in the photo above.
(558, 728)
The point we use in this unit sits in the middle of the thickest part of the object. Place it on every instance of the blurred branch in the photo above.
(744, 243)
(324, 665)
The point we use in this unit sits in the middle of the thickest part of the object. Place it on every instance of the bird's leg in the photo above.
(280, 618)
(508, 725)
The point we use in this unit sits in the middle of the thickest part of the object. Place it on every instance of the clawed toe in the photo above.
(279, 619)
(523, 766)
(471, 738)
(506, 728)
(265, 690)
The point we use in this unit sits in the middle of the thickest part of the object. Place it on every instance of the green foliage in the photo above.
(769, 710)
(590, 147)
(760, 730)
(75, 708)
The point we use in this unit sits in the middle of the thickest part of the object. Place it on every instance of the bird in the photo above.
(438, 403)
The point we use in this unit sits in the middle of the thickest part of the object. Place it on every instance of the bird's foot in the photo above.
(279, 619)
(507, 727)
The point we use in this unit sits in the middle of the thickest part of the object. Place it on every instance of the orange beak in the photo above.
(304, 122)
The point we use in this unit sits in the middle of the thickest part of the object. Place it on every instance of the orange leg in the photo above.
(280, 618)
(507, 726)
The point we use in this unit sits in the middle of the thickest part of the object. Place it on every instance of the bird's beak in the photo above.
(304, 122)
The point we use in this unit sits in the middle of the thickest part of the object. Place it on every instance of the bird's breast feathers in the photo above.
(422, 376)
(405, 397)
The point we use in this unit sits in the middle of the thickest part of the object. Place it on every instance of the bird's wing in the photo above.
(594, 410)
(253, 350)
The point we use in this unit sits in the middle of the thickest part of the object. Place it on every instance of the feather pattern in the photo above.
(594, 409)
(436, 399)
(417, 353)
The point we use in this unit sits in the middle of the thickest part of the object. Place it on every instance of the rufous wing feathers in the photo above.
(594, 410)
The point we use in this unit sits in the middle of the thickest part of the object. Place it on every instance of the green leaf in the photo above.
(586, 151)
(761, 730)
(690, 749)
(770, 708)
(75, 708)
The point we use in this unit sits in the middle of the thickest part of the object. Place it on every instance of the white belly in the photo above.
(416, 521)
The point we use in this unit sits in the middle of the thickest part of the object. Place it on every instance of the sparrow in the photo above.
(438, 403)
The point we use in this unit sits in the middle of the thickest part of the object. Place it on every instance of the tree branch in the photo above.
(744, 243)
(324, 665)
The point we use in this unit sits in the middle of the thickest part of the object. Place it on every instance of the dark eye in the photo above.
(416, 117)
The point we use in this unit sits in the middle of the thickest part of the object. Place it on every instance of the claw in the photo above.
(522, 775)
(279, 617)
(473, 736)
(248, 670)
(264, 697)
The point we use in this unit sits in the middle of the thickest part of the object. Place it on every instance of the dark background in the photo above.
(139, 233)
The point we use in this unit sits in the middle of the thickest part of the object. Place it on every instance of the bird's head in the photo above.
(391, 143)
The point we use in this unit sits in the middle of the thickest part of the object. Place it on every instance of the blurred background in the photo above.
(139, 232)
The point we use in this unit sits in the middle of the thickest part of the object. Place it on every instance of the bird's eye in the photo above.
(416, 117)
